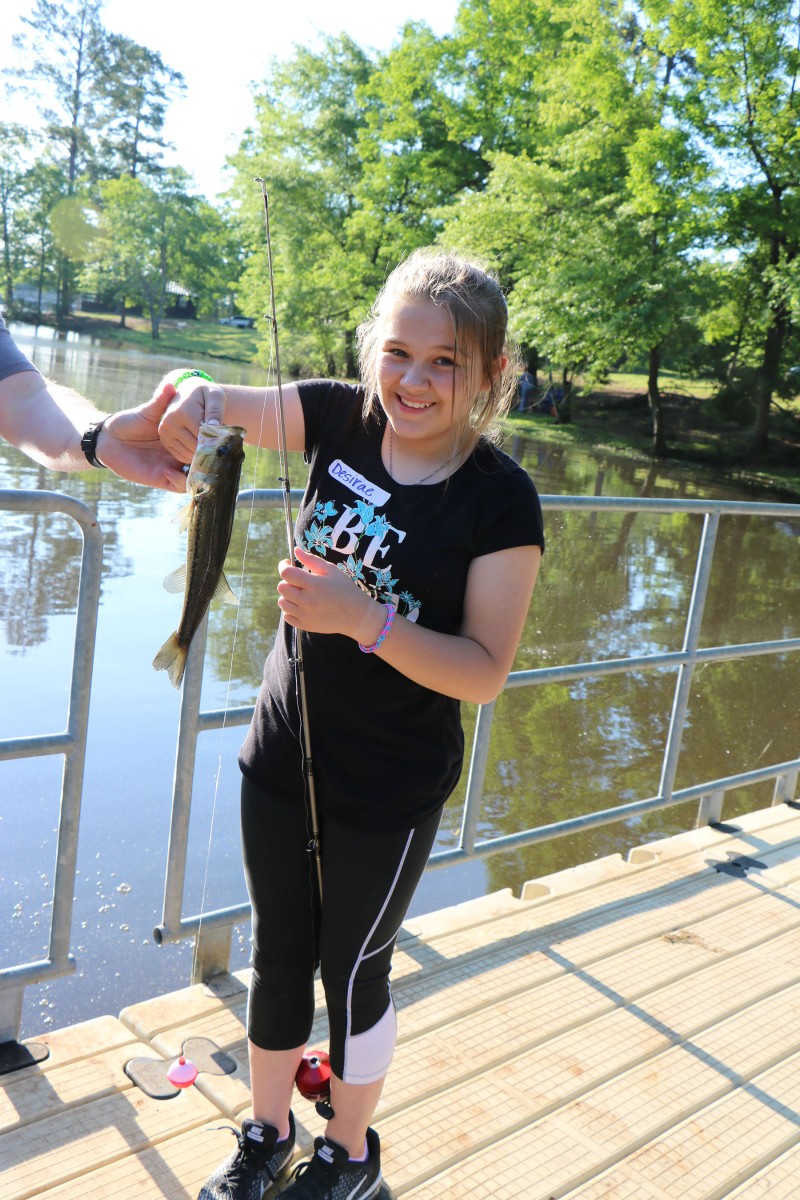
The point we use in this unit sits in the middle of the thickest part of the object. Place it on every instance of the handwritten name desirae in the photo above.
(358, 483)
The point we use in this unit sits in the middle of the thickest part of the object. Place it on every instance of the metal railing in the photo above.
(71, 743)
(213, 929)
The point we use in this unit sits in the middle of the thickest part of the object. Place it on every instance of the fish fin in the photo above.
(176, 580)
(183, 516)
(223, 591)
(172, 658)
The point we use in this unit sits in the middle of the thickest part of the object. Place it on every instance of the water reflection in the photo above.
(612, 585)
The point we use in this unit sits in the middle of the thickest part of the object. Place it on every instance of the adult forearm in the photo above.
(45, 420)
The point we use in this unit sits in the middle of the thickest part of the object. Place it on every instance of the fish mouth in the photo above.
(209, 433)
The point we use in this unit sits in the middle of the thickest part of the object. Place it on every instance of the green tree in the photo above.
(304, 144)
(148, 236)
(137, 94)
(413, 163)
(740, 104)
(14, 142)
(43, 189)
(65, 52)
(66, 55)
(592, 225)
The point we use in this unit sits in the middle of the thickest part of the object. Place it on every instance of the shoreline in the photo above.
(611, 418)
(618, 422)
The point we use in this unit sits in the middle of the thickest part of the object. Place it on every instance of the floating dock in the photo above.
(626, 1030)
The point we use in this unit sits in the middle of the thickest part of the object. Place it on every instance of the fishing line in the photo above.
(182, 1073)
(313, 1077)
(308, 762)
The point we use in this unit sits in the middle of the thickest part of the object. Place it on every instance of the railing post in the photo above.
(785, 787)
(709, 810)
(694, 620)
(75, 755)
(10, 1013)
(71, 743)
(183, 780)
(212, 952)
(475, 779)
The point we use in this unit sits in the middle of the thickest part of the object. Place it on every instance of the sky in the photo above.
(220, 57)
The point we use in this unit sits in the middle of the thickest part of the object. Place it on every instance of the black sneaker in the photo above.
(258, 1162)
(330, 1174)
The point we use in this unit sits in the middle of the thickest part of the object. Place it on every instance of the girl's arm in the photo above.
(254, 408)
(472, 665)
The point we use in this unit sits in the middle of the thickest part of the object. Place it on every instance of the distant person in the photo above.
(418, 544)
(526, 388)
(62, 430)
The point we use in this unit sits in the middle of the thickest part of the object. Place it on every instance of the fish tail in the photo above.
(172, 659)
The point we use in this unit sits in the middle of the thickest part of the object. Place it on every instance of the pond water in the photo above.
(611, 585)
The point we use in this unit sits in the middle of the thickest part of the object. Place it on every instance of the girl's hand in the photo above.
(196, 400)
(129, 444)
(319, 598)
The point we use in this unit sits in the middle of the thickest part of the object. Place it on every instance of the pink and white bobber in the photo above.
(182, 1073)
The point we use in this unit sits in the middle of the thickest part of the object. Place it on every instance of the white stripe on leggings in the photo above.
(367, 1055)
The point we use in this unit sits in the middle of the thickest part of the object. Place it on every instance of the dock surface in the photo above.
(626, 1030)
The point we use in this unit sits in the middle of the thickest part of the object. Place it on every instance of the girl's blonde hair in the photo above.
(472, 297)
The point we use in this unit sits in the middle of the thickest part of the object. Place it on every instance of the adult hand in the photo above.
(130, 446)
(194, 401)
(319, 598)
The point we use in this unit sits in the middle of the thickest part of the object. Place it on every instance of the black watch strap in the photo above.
(89, 442)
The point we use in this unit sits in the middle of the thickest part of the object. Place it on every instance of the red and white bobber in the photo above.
(313, 1076)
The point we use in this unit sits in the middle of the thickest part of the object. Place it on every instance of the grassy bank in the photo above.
(616, 418)
(186, 339)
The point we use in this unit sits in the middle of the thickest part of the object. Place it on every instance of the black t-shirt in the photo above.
(12, 360)
(387, 752)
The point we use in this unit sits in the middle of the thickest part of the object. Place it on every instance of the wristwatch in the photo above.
(89, 442)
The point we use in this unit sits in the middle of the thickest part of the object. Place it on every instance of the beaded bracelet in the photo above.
(387, 625)
(189, 374)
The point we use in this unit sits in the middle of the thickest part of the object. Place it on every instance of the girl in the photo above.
(418, 545)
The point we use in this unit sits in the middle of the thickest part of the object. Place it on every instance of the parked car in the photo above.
(239, 322)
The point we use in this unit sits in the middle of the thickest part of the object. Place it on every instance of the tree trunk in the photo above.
(767, 377)
(41, 280)
(7, 257)
(350, 364)
(655, 402)
(64, 294)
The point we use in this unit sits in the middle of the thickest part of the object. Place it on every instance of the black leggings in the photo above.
(368, 882)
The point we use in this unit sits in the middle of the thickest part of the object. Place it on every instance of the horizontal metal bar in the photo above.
(29, 501)
(265, 497)
(216, 718)
(34, 972)
(649, 662)
(188, 926)
(623, 812)
(665, 505)
(37, 745)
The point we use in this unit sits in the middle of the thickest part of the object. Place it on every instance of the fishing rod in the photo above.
(308, 763)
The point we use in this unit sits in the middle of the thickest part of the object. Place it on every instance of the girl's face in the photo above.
(424, 381)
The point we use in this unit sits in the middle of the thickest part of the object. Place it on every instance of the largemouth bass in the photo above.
(212, 486)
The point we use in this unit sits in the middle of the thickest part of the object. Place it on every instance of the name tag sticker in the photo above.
(358, 483)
